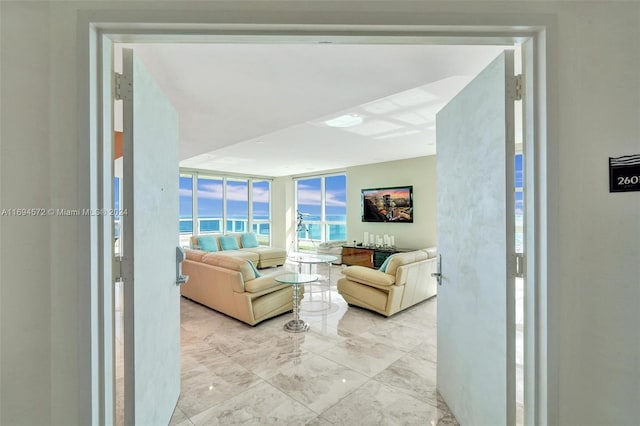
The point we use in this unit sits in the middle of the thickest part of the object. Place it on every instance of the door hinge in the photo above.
(517, 88)
(520, 265)
(123, 88)
(117, 269)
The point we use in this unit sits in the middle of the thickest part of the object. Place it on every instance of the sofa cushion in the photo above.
(364, 294)
(260, 284)
(230, 262)
(366, 275)
(208, 243)
(228, 242)
(249, 240)
(267, 252)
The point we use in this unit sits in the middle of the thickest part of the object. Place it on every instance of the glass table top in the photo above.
(312, 258)
(295, 278)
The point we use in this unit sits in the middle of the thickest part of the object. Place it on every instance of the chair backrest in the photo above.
(417, 281)
(401, 259)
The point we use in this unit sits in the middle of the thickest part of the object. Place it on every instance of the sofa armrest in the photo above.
(364, 275)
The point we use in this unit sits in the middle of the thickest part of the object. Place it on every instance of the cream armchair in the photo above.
(406, 281)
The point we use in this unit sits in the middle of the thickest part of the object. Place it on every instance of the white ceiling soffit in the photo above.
(286, 109)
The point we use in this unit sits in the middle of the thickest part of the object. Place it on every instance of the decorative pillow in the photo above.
(228, 242)
(383, 267)
(208, 243)
(255, 270)
(249, 240)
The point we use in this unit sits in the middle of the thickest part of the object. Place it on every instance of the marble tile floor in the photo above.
(353, 367)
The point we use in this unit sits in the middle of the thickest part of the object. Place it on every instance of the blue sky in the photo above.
(210, 197)
(309, 196)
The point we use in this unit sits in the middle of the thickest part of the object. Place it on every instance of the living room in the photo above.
(51, 143)
(417, 172)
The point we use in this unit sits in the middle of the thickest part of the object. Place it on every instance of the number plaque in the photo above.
(624, 173)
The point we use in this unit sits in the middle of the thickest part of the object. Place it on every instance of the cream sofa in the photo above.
(333, 248)
(406, 281)
(262, 256)
(229, 285)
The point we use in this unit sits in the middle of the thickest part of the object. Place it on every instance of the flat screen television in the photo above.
(393, 204)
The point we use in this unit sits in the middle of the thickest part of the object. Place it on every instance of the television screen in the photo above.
(393, 204)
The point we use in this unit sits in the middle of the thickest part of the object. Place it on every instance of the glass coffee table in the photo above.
(296, 325)
(313, 259)
(312, 305)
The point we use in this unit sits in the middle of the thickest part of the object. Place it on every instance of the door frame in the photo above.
(101, 28)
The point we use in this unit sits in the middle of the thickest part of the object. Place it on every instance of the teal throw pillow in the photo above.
(208, 243)
(228, 242)
(249, 240)
(383, 267)
(255, 270)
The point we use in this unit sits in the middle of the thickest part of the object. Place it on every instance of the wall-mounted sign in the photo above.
(624, 173)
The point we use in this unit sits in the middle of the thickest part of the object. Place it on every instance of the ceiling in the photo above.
(289, 109)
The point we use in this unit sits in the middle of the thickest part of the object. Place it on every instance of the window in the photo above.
(309, 200)
(321, 205)
(261, 210)
(210, 204)
(237, 212)
(222, 205)
(336, 208)
(519, 203)
(116, 206)
(185, 191)
(117, 219)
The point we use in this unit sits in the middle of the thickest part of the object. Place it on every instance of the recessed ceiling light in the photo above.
(375, 127)
(346, 120)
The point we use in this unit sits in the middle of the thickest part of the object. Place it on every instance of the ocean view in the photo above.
(337, 231)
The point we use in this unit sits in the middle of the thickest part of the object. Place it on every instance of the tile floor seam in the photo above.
(348, 394)
(246, 391)
(328, 332)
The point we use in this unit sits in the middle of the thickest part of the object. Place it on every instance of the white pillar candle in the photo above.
(371, 239)
(393, 241)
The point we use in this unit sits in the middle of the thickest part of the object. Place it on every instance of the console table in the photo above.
(368, 256)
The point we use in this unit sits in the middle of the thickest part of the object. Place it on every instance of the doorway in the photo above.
(108, 297)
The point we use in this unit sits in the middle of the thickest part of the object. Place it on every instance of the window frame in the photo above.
(323, 223)
(196, 175)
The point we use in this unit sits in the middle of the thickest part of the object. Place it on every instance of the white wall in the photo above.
(25, 251)
(419, 172)
(598, 289)
(282, 212)
(595, 110)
